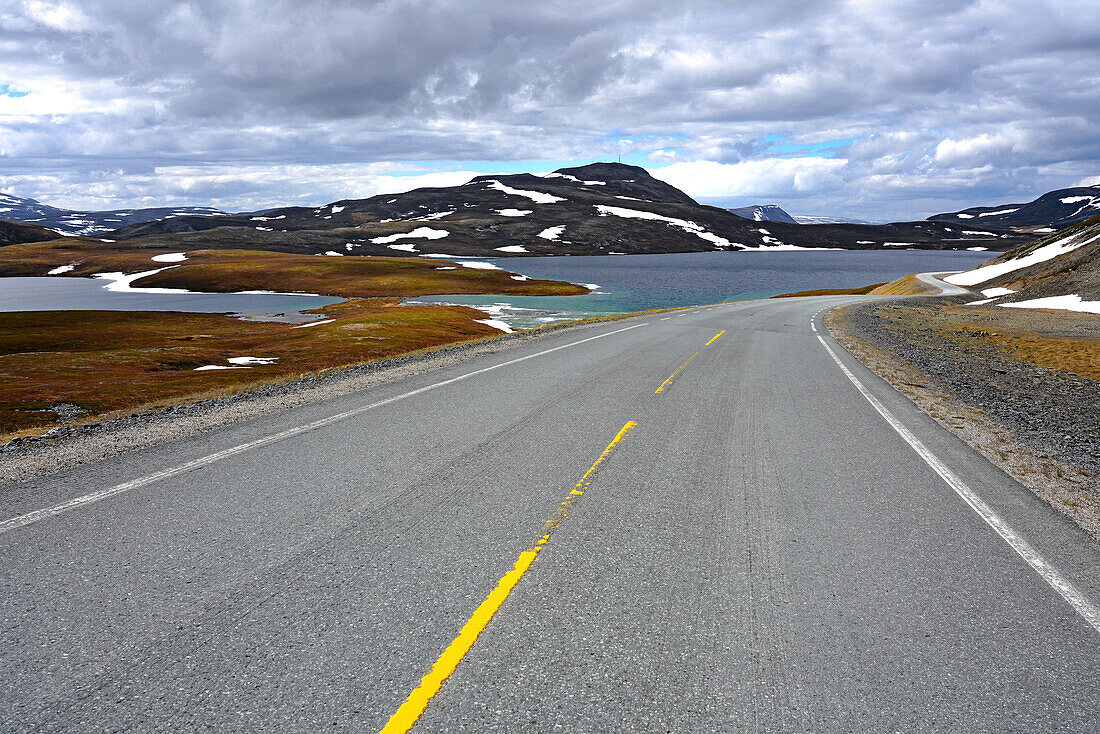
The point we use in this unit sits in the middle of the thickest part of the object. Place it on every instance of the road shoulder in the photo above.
(1016, 387)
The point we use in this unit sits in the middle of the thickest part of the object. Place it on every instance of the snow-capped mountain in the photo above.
(764, 213)
(596, 209)
(1050, 212)
(71, 222)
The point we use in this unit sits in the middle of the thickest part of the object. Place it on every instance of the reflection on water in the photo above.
(89, 294)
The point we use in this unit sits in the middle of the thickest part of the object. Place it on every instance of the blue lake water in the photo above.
(640, 282)
(89, 294)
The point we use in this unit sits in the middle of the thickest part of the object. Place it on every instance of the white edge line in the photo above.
(32, 517)
(1080, 603)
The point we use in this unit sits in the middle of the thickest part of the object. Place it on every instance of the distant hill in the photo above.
(1060, 271)
(1048, 213)
(597, 209)
(810, 219)
(16, 233)
(764, 213)
(72, 222)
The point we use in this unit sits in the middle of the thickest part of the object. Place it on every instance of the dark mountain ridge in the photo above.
(1050, 212)
(87, 223)
(600, 208)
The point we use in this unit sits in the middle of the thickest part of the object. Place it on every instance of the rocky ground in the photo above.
(1022, 387)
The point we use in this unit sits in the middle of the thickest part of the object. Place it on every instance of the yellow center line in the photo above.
(672, 377)
(409, 711)
(720, 333)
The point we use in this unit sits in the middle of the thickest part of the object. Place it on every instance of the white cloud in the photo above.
(58, 16)
(769, 177)
(232, 188)
(977, 149)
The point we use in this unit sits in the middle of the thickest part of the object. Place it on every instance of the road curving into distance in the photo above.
(710, 520)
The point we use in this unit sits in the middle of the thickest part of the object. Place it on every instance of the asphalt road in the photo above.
(764, 549)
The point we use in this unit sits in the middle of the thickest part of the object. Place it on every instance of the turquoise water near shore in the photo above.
(640, 282)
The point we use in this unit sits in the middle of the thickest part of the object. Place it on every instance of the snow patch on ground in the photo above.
(334, 253)
(313, 323)
(1045, 230)
(1072, 302)
(478, 265)
(996, 213)
(437, 215)
(551, 233)
(520, 277)
(1075, 199)
(267, 219)
(120, 282)
(781, 247)
(407, 247)
(496, 324)
(897, 244)
(252, 360)
(684, 224)
(511, 248)
(240, 363)
(977, 249)
(1039, 255)
(574, 178)
(538, 197)
(965, 216)
(61, 269)
(426, 233)
(514, 212)
(170, 257)
(448, 267)
(979, 232)
(996, 292)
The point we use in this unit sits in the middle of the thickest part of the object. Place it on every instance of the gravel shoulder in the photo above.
(1021, 387)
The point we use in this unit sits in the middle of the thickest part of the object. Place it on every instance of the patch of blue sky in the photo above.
(7, 90)
(822, 149)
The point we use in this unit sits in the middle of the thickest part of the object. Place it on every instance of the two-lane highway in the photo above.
(712, 520)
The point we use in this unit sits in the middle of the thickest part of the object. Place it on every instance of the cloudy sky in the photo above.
(878, 110)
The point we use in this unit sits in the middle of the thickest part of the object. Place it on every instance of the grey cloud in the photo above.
(328, 82)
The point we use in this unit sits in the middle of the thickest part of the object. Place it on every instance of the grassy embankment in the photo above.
(907, 285)
(861, 291)
(59, 363)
